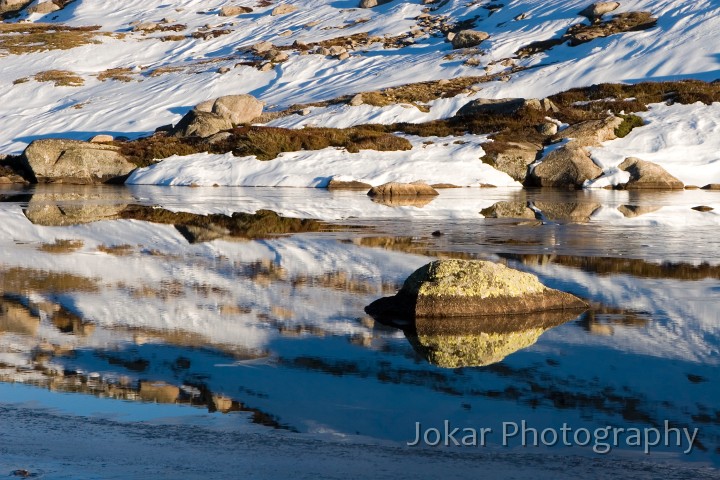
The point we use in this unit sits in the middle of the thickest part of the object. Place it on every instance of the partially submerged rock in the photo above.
(74, 161)
(648, 175)
(565, 167)
(468, 288)
(396, 189)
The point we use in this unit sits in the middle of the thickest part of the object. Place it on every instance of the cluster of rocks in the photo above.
(213, 116)
(41, 7)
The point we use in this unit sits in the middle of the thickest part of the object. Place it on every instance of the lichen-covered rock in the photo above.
(396, 189)
(469, 38)
(648, 175)
(515, 159)
(592, 132)
(234, 10)
(72, 161)
(238, 108)
(509, 210)
(457, 288)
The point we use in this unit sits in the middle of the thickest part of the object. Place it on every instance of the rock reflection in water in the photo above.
(480, 341)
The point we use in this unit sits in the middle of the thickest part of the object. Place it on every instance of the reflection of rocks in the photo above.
(159, 392)
(403, 201)
(632, 211)
(75, 207)
(480, 341)
(17, 318)
(457, 288)
(567, 212)
(508, 210)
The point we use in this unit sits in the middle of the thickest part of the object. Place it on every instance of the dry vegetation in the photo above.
(265, 143)
(262, 224)
(121, 74)
(61, 246)
(61, 78)
(23, 38)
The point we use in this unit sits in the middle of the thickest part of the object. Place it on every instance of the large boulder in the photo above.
(73, 161)
(197, 123)
(502, 106)
(234, 10)
(468, 38)
(597, 10)
(648, 175)
(238, 109)
(43, 8)
(592, 132)
(514, 159)
(462, 288)
(396, 189)
(567, 166)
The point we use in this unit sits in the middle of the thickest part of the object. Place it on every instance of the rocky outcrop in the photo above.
(234, 10)
(592, 132)
(197, 123)
(467, 288)
(595, 11)
(648, 175)
(43, 8)
(73, 161)
(468, 38)
(396, 189)
(216, 115)
(568, 166)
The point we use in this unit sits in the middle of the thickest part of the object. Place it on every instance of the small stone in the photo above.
(357, 100)
(437, 233)
(703, 208)
(223, 70)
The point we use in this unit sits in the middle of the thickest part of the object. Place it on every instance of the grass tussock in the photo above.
(61, 246)
(23, 38)
(61, 78)
(118, 250)
(120, 74)
(629, 123)
(266, 143)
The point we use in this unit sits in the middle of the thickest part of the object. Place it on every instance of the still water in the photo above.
(175, 307)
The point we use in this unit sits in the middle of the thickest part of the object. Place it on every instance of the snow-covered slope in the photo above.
(681, 46)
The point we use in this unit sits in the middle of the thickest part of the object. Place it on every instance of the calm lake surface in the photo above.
(124, 309)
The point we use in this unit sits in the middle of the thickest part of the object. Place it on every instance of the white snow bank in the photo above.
(683, 139)
(447, 160)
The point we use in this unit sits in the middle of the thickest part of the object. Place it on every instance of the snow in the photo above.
(445, 160)
(683, 139)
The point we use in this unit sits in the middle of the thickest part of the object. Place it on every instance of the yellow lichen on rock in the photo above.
(471, 278)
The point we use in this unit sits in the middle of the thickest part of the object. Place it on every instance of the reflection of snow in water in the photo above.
(279, 325)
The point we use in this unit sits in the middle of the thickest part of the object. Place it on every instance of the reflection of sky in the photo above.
(325, 368)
